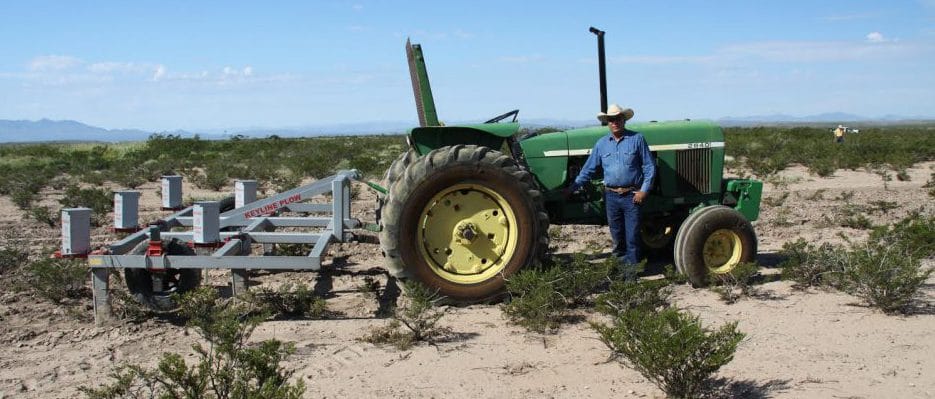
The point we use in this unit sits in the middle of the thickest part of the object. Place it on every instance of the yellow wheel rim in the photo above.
(467, 233)
(722, 251)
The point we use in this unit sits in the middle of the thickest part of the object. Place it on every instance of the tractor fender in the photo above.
(491, 135)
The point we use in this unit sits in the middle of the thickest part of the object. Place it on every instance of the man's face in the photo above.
(617, 124)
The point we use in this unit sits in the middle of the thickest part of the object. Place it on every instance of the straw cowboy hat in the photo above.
(613, 111)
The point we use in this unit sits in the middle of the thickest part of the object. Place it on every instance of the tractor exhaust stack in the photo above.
(602, 67)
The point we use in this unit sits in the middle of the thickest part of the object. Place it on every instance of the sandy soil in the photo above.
(812, 344)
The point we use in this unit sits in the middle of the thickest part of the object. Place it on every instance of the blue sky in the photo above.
(228, 64)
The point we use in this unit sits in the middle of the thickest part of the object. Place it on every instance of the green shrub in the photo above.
(581, 278)
(737, 283)
(883, 206)
(227, 367)
(57, 279)
(11, 258)
(810, 265)
(822, 167)
(415, 320)
(886, 271)
(885, 276)
(290, 300)
(125, 307)
(536, 302)
(673, 276)
(23, 197)
(670, 348)
(853, 216)
(914, 234)
(627, 295)
(44, 215)
(101, 201)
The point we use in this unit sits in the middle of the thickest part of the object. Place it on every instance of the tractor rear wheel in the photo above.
(393, 173)
(155, 288)
(713, 240)
(462, 220)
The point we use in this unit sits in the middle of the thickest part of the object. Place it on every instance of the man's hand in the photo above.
(638, 197)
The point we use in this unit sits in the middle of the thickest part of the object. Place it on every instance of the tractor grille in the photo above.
(694, 169)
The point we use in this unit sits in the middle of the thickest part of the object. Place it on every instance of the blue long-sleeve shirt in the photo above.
(626, 163)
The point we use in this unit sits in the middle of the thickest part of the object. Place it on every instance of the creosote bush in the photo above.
(227, 367)
(810, 265)
(415, 320)
(289, 300)
(12, 257)
(536, 301)
(58, 279)
(581, 278)
(737, 283)
(627, 295)
(540, 297)
(885, 276)
(886, 271)
(44, 215)
(670, 348)
(100, 201)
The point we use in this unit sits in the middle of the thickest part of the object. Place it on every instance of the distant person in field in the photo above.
(839, 134)
(629, 169)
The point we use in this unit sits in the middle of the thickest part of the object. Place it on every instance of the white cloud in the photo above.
(120, 67)
(358, 7)
(159, 73)
(248, 71)
(875, 37)
(53, 63)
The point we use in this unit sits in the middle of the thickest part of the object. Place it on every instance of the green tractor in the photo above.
(468, 206)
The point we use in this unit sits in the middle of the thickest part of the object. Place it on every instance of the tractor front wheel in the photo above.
(462, 220)
(713, 240)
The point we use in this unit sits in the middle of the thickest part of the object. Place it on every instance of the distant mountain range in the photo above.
(45, 130)
(831, 117)
(49, 130)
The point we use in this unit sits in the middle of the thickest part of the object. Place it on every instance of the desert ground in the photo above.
(799, 344)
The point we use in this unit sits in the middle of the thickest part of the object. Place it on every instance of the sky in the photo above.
(165, 65)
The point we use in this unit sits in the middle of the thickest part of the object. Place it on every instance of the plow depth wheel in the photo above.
(461, 220)
(713, 240)
(155, 288)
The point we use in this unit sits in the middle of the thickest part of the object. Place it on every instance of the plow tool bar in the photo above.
(234, 232)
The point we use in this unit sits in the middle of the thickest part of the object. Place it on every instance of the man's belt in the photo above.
(620, 190)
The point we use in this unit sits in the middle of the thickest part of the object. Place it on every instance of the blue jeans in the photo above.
(623, 217)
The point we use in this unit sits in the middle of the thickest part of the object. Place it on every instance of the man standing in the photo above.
(629, 169)
(839, 134)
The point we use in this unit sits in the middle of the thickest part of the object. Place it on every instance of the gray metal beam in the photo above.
(205, 262)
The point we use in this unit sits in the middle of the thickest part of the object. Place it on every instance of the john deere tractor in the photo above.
(468, 206)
